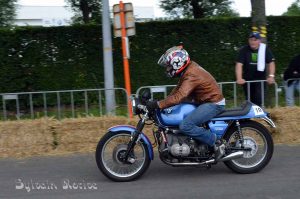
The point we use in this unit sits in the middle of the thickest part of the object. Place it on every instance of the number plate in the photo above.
(258, 110)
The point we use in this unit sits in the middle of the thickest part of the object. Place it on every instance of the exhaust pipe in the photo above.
(235, 155)
(212, 161)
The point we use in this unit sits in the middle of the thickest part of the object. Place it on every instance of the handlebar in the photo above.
(142, 107)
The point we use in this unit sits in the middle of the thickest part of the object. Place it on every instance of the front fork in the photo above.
(135, 136)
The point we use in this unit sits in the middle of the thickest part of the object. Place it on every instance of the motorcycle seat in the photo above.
(237, 111)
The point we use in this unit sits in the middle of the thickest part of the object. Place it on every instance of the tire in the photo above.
(107, 154)
(260, 136)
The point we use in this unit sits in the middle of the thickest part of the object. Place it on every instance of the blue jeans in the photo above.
(289, 92)
(203, 113)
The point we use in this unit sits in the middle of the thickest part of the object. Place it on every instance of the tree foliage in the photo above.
(86, 11)
(198, 8)
(294, 9)
(7, 12)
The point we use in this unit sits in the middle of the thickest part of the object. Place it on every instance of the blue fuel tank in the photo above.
(172, 116)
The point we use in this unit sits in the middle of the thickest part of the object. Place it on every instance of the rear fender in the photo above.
(130, 129)
(269, 121)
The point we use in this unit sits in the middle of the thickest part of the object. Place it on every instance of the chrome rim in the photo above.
(112, 151)
(255, 140)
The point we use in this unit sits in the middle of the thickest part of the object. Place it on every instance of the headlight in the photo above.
(134, 103)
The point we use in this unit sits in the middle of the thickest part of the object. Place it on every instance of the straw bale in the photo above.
(25, 137)
(83, 134)
(48, 136)
(287, 122)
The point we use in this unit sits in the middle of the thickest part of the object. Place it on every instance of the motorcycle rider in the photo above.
(195, 85)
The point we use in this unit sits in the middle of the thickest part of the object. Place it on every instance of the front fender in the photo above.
(131, 129)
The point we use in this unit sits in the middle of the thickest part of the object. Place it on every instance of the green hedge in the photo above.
(60, 58)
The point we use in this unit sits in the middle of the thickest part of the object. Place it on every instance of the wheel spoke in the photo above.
(113, 150)
(256, 141)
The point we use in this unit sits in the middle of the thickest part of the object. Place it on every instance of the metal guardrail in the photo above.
(155, 89)
(164, 88)
(55, 103)
(248, 83)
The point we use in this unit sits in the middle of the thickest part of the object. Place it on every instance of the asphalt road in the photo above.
(61, 177)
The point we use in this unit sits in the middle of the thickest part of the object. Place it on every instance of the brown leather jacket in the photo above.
(195, 85)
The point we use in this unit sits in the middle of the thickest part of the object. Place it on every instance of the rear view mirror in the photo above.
(146, 95)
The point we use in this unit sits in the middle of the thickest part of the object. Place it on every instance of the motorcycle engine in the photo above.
(178, 145)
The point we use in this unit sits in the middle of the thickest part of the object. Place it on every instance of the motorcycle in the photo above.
(124, 153)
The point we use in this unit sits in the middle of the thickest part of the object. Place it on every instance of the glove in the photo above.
(152, 105)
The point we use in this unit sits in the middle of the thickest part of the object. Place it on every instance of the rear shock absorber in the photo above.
(239, 134)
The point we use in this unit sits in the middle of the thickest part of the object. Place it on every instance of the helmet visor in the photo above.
(163, 61)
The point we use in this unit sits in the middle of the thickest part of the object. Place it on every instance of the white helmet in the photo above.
(175, 59)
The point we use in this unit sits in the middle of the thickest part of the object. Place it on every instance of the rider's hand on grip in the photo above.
(152, 105)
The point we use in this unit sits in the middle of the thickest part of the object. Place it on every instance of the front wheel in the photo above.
(256, 138)
(110, 150)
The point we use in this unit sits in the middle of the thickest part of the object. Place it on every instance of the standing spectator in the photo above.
(292, 72)
(251, 65)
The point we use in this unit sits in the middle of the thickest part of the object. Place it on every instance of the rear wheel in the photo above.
(110, 151)
(258, 139)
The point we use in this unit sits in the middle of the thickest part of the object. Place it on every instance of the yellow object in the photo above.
(254, 29)
(263, 31)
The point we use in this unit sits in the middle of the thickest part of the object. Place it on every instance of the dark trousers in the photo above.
(257, 92)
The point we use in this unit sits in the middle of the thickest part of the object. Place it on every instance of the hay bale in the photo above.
(25, 138)
(48, 136)
(83, 134)
(287, 122)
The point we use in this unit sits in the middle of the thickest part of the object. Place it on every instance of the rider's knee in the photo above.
(186, 126)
